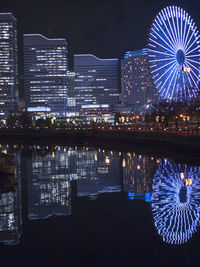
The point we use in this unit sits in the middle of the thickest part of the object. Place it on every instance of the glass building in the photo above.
(8, 64)
(45, 73)
(96, 81)
(136, 81)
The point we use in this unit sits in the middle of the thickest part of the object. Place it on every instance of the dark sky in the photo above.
(105, 28)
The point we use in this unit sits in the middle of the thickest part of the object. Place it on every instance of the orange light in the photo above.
(107, 160)
(123, 163)
(186, 69)
(188, 181)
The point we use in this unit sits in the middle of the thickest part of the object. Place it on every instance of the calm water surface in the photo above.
(70, 206)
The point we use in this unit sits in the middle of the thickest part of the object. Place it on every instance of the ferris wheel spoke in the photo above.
(168, 44)
(173, 78)
(184, 84)
(170, 31)
(164, 66)
(158, 52)
(174, 71)
(172, 36)
(192, 34)
(185, 26)
(194, 61)
(193, 79)
(188, 77)
(192, 66)
(189, 42)
(181, 16)
(193, 56)
(173, 67)
(160, 60)
(173, 89)
(196, 48)
(168, 40)
(178, 30)
(166, 71)
(173, 23)
(186, 37)
(187, 48)
(170, 51)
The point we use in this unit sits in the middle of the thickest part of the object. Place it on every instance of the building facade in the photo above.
(45, 73)
(8, 65)
(96, 81)
(136, 81)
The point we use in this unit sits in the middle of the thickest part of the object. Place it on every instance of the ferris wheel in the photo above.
(174, 54)
(176, 201)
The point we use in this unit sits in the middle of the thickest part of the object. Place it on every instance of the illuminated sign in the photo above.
(38, 109)
(186, 69)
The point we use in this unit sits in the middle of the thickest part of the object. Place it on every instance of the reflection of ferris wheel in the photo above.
(176, 201)
(174, 54)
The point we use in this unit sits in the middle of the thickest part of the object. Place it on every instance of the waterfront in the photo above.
(84, 206)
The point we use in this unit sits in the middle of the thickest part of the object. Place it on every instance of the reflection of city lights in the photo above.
(175, 205)
(138, 167)
(95, 157)
(124, 163)
(53, 154)
(188, 181)
(107, 160)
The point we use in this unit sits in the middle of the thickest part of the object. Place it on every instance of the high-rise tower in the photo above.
(96, 81)
(8, 64)
(45, 73)
(136, 80)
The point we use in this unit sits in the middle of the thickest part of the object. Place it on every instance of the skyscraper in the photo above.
(45, 70)
(8, 64)
(96, 81)
(136, 81)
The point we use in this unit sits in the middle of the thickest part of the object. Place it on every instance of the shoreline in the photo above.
(153, 140)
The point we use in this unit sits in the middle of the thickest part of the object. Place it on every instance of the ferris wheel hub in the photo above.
(180, 57)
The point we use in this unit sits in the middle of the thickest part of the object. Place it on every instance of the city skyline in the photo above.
(96, 26)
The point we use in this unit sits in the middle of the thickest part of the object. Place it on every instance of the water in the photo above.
(80, 206)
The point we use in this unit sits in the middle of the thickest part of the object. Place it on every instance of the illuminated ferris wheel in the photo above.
(176, 201)
(174, 54)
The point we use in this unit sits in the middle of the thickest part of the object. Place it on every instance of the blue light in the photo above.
(175, 203)
(174, 44)
(148, 197)
(130, 195)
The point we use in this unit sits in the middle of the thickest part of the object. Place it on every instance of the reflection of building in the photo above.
(136, 81)
(45, 70)
(48, 184)
(97, 172)
(11, 207)
(138, 173)
(50, 173)
(96, 81)
(176, 201)
(8, 64)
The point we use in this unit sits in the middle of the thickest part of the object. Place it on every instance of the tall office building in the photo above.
(45, 73)
(96, 81)
(8, 64)
(136, 81)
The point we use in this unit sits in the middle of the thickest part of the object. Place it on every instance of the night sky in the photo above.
(104, 28)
